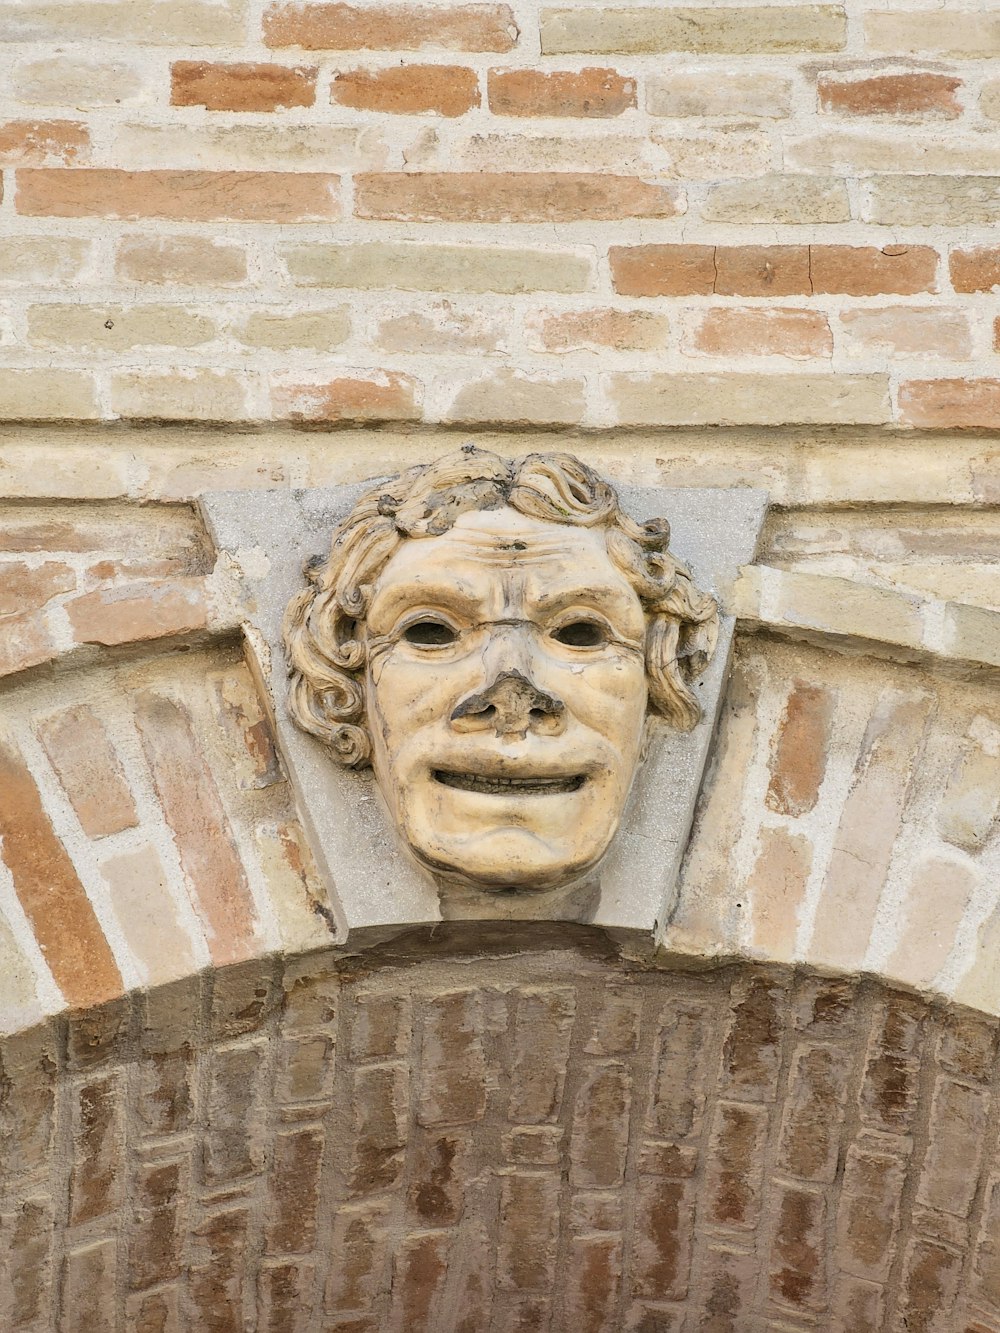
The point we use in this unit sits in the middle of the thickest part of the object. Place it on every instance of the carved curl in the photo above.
(324, 624)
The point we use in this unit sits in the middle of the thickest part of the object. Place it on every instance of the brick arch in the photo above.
(500, 1129)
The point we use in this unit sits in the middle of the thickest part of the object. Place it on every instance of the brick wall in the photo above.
(555, 1141)
(232, 210)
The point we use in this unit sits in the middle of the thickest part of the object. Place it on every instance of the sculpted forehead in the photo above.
(498, 556)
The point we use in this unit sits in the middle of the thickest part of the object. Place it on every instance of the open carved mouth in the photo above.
(509, 786)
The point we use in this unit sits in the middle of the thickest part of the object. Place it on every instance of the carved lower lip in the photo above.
(509, 786)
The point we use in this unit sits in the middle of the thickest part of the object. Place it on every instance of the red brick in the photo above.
(232, 1144)
(597, 93)
(305, 1069)
(134, 612)
(762, 270)
(868, 1216)
(241, 87)
(814, 1113)
(661, 1253)
(97, 1184)
(344, 27)
(798, 1252)
(358, 1257)
(975, 270)
(890, 95)
(380, 1110)
(30, 1262)
(441, 1169)
(528, 1230)
(419, 1271)
(452, 1084)
(593, 1281)
(155, 1252)
(950, 1174)
(930, 1286)
(215, 1285)
(599, 1140)
(986, 1264)
(26, 641)
(856, 1306)
(663, 270)
(382, 1025)
(950, 404)
(968, 1046)
(194, 812)
(516, 196)
(752, 1051)
(80, 751)
(43, 143)
(285, 1296)
(865, 270)
(371, 396)
(615, 1026)
(54, 900)
(798, 756)
(294, 1179)
(763, 332)
(450, 90)
(185, 196)
(543, 1023)
(25, 588)
(729, 1277)
(734, 1168)
(684, 1055)
(89, 1286)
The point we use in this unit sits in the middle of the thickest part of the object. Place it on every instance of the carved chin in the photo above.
(528, 834)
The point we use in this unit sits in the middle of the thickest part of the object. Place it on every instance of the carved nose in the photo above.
(510, 706)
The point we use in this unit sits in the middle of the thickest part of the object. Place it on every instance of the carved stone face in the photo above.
(506, 697)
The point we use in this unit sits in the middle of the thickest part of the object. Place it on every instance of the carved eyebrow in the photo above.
(393, 601)
(612, 602)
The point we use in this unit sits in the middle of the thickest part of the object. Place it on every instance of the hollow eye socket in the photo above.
(581, 634)
(429, 634)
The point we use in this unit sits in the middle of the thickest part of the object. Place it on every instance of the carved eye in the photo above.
(429, 634)
(581, 634)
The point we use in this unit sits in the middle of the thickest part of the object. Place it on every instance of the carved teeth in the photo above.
(509, 786)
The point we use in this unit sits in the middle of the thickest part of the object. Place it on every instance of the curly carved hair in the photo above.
(324, 624)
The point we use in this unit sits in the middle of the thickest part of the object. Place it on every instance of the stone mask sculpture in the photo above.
(496, 638)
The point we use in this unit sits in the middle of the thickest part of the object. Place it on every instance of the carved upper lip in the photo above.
(516, 784)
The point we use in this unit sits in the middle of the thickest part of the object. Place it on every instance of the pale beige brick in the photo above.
(442, 327)
(145, 22)
(972, 633)
(936, 896)
(760, 400)
(900, 153)
(744, 30)
(148, 915)
(68, 79)
(315, 330)
(779, 198)
(179, 395)
(43, 261)
(47, 395)
(416, 267)
(906, 330)
(189, 260)
(249, 147)
(933, 200)
(513, 396)
(722, 154)
(703, 93)
(595, 330)
(551, 152)
(776, 888)
(113, 328)
(830, 605)
(971, 800)
(958, 33)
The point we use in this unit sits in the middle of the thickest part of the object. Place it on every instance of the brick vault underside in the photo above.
(506, 1132)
